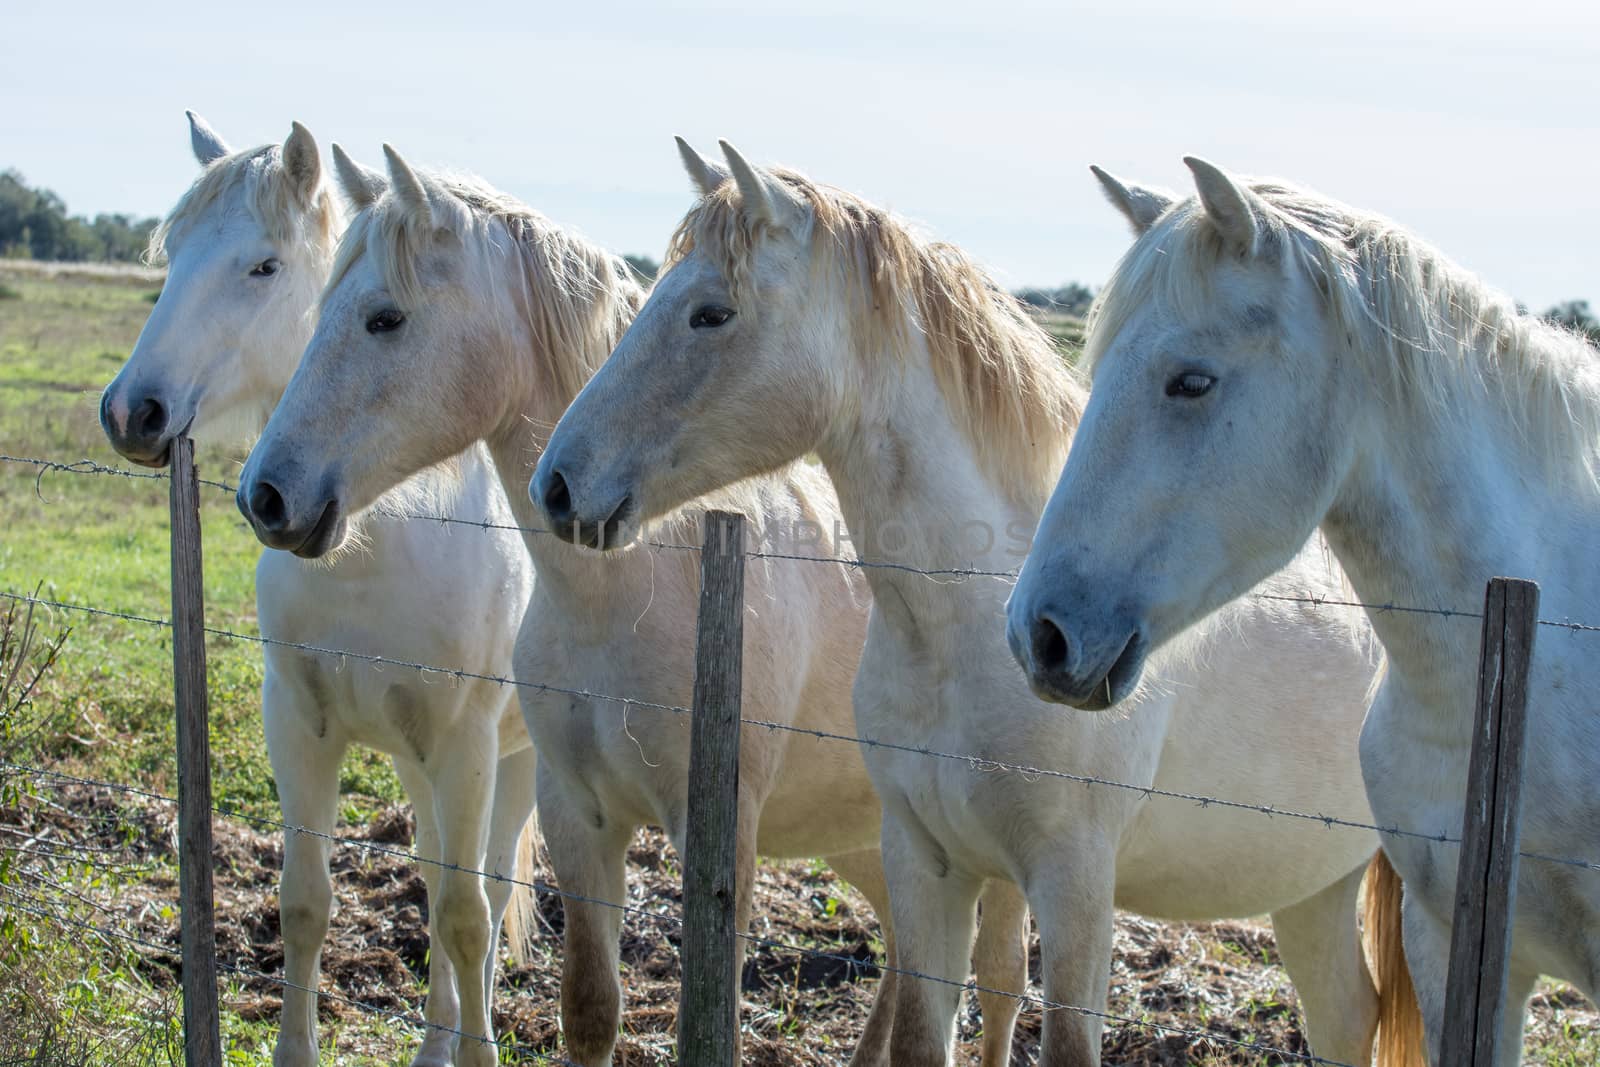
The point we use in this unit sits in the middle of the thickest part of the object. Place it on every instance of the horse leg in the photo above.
(514, 791)
(305, 765)
(441, 1008)
(934, 911)
(588, 852)
(1321, 950)
(864, 870)
(463, 784)
(1427, 944)
(1000, 959)
(1519, 987)
(1073, 906)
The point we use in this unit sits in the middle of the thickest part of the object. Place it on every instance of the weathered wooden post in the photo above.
(708, 1009)
(202, 1033)
(1486, 881)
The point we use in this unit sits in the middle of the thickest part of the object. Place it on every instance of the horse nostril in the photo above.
(1050, 647)
(148, 420)
(557, 498)
(266, 505)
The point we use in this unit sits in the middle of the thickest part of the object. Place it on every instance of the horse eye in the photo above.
(384, 321)
(710, 315)
(265, 269)
(1190, 384)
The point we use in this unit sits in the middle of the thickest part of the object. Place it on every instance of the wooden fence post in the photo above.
(202, 1033)
(1486, 881)
(708, 1009)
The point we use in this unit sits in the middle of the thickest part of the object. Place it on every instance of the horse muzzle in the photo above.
(140, 428)
(1090, 668)
(309, 532)
(576, 519)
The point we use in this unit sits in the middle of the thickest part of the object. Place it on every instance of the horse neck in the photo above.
(1435, 506)
(912, 491)
(581, 578)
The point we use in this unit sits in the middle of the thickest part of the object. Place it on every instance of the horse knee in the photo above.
(461, 922)
(303, 910)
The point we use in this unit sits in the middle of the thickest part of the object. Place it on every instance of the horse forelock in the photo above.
(267, 193)
(575, 298)
(1423, 326)
(1008, 390)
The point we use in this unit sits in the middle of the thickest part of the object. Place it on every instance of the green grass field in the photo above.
(102, 541)
(105, 711)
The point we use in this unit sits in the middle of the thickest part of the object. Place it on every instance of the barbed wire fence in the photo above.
(710, 1007)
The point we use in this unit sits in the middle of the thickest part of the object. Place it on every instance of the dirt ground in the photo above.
(1222, 977)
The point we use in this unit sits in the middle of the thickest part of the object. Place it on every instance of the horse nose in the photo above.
(556, 499)
(266, 510)
(1051, 650)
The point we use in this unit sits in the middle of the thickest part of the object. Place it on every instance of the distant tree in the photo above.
(645, 267)
(34, 224)
(1575, 315)
(1073, 298)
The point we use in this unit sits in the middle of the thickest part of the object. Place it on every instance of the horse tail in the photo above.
(522, 912)
(1400, 1033)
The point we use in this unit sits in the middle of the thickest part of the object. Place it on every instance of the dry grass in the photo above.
(1223, 978)
(50, 270)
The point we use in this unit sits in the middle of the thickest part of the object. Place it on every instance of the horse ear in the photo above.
(407, 186)
(1227, 204)
(208, 146)
(706, 175)
(1140, 205)
(301, 162)
(765, 196)
(362, 185)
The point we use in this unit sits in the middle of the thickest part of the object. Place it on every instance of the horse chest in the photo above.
(368, 605)
(983, 817)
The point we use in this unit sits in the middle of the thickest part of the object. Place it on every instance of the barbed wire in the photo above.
(89, 467)
(541, 887)
(956, 574)
(971, 986)
(979, 763)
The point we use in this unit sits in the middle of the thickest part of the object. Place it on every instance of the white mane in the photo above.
(1011, 394)
(267, 194)
(1424, 326)
(576, 297)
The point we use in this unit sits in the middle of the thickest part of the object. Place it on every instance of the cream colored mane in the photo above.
(1424, 326)
(269, 196)
(576, 298)
(1009, 391)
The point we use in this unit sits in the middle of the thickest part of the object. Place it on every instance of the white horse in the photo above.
(1267, 361)
(249, 247)
(795, 318)
(455, 314)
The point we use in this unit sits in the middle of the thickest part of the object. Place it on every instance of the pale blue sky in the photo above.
(1476, 124)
